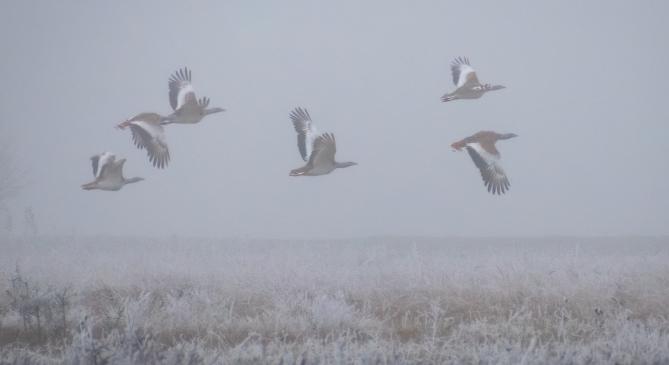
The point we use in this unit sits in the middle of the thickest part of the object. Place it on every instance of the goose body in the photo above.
(108, 173)
(187, 108)
(149, 134)
(466, 82)
(481, 148)
(318, 150)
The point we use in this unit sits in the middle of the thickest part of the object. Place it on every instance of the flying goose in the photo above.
(466, 82)
(481, 148)
(187, 108)
(108, 173)
(318, 150)
(148, 133)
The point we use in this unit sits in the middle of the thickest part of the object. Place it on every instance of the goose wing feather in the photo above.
(463, 72)
(151, 136)
(100, 161)
(325, 147)
(181, 90)
(492, 173)
(306, 131)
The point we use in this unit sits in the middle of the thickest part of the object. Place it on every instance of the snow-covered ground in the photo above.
(393, 300)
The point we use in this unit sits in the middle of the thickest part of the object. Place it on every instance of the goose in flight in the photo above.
(466, 83)
(148, 133)
(108, 173)
(187, 108)
(317, 149)
(481, 148)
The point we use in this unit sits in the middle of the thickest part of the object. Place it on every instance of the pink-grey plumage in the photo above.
(149, 134)
(108, 173)
(318, 150)
(466, 82)
(481, 148)
(188, 109)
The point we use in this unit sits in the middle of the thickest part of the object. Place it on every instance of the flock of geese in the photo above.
(316, 149)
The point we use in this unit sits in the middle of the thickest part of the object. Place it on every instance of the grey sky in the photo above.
(586, 83)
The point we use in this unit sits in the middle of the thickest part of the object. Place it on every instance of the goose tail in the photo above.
(123, 125)
(447, 97)
(89, 186)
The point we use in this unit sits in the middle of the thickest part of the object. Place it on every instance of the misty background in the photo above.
(586, 83)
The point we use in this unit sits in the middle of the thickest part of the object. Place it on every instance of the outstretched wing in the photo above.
(114, 170)
(463, 72)
(100, 161)
(151, 136)
(306, 131)
(492, 173)
(94, 161)
(325, 147)
(181, 89)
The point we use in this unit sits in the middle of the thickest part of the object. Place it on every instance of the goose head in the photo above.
(345, 164)
(133, 180)
(212, 111)
(507, 135)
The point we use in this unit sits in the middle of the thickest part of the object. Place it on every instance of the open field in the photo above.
(106, 300)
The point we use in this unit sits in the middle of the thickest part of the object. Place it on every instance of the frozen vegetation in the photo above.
(125, 300)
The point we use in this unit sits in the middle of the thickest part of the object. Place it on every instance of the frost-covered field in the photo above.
(102, 300)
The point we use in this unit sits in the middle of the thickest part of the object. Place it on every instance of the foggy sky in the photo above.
(586, 89)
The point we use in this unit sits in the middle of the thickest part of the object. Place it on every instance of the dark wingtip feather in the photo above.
(300, 114)
(460, 61)
(182, 74)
